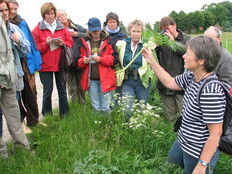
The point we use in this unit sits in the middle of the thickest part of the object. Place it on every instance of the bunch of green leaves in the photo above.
(150, 36)
(151, 39)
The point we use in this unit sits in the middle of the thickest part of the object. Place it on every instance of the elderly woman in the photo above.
(75, 90)
(50, 49)
(196, 147)
(135, 81)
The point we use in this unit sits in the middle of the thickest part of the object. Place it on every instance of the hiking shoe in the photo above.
(26, 129)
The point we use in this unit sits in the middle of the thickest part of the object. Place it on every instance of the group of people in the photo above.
(100, 51)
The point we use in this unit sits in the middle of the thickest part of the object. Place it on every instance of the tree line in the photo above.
(219, 14)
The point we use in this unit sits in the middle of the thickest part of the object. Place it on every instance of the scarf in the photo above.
(116, 30)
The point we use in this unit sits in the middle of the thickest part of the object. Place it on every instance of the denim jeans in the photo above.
(134, 89)
(179, 157)
(100, 101)
(46, 79)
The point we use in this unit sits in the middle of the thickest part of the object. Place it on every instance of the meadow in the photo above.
(88, 142)
(226, 40)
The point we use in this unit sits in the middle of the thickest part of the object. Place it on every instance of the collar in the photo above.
(140, 42)
(180, 35)
(53, 25)
(116, 30)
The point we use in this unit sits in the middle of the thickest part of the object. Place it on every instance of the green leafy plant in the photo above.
(93, 164)
(151, 40)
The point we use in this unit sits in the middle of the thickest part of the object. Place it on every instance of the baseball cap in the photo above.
(94, 24)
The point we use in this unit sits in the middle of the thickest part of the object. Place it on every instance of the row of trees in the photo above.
(198, 21)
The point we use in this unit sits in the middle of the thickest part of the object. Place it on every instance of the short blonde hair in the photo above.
(136, 22)
(62, 11)
(46, 8)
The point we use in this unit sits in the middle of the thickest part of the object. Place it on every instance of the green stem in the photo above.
(129, 64)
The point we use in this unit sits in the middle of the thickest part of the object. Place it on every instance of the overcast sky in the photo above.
(149, 11)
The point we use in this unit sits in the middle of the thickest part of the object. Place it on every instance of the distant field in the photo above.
(226, 40)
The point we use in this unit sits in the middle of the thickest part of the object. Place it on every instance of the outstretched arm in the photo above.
(163, 76)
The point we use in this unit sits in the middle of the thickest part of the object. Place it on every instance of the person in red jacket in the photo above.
(97, 59)
(50, 36)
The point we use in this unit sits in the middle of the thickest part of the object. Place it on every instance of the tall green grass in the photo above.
(90, 142)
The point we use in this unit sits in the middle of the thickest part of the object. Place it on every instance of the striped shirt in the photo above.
(194, 132)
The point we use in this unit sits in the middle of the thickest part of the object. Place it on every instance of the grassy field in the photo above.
(87, 142)
(226, 40)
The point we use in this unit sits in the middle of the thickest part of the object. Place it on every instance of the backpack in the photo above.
(225, 144)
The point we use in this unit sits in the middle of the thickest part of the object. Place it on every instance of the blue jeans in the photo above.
(100, 101)
(46, 79)
(134, 89)
(181, 158)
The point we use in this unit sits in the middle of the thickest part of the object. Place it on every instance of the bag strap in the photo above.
(208, 80)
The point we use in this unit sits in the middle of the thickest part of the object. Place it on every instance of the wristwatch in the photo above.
(203, 163)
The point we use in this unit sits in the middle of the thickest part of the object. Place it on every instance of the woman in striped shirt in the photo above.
(196, 146)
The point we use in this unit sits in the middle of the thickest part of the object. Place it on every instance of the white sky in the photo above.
(149, 11)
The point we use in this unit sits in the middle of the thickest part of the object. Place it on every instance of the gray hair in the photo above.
(136, 22)
(218, 32)
(62, 11)
(206, 48)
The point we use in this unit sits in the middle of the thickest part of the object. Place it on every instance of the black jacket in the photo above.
(76, 43)
(172, 62)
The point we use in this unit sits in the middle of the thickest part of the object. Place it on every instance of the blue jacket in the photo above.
(34, 59)
(20, 50)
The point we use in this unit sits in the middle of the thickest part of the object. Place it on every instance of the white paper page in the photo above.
(54, 46)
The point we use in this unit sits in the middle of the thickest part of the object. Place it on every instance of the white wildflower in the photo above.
(156, 115)
(149, 107)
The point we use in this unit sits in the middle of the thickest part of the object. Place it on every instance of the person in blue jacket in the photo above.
(32, 63)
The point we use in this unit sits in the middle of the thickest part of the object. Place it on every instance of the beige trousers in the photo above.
(172, 106)
(10, 108)
(75, 91)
